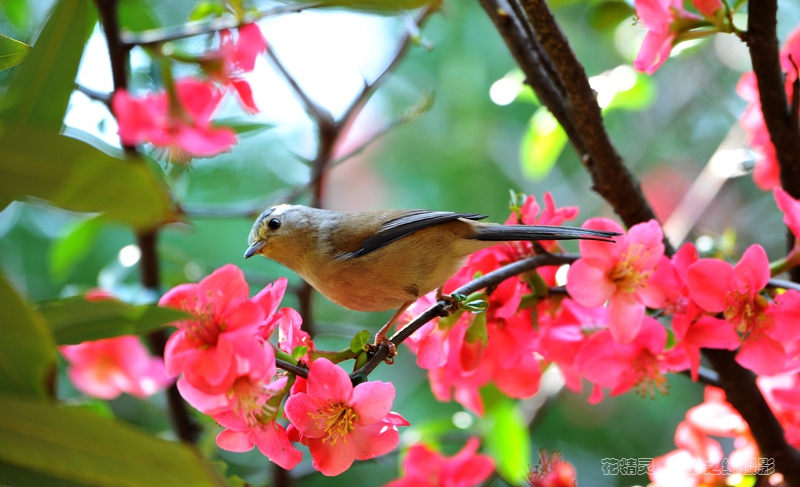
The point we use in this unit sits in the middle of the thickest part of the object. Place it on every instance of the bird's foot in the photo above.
(382, 340)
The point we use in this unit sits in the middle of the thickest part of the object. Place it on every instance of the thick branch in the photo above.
(611, 178)
(762, 40)
(444, 308)
(742, 392)
(185, 428)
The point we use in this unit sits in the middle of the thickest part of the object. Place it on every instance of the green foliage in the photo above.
(77, 176)
(26, 350)
(76, 320)
(73, 246)
(78, 448)
(507, 438)
(360, 341)
(542, 143)
(12, 52)
(39, 94)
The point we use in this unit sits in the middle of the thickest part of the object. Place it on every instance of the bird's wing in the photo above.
(406, 224)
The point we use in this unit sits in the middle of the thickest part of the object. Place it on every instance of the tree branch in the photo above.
(611, 177)
(185, 428)
(444, 308)
(155, 36)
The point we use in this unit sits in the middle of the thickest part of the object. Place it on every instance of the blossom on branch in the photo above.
(340, 423)
(664, 20)
(425, 467)
(735, 291)
(179, 121)
(619, 274)
(237, 55)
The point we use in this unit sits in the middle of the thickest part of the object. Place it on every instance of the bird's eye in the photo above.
(274, 224)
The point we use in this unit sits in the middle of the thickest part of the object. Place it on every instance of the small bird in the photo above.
(383, 260)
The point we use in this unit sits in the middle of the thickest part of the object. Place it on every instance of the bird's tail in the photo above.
(504, 233)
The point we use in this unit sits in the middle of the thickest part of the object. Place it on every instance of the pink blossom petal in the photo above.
(587, 285)
(752, 270)
(603, 254)
(374, 440)
(272, 441)
(372, 401)
(204, 142)
(648, 239)
(235, 441)
(786, 315)
(790, 208)
(625, 315)
(654, 51)
(299, 408)
(331, 460)
(329, 381)
(250, 45)
(708, 281)
(762, 355)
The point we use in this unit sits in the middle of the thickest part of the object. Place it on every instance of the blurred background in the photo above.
(483, 136)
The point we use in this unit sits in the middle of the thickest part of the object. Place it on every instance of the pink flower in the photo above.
(270, 438)
(425, 467)
(698, 460)
(340, 423)
(529, 215)
(183, 127)
(106, 368)
(790, 208)
(642, 363)
(692, 327)
(660, 18)
(710, 9)
(552, 471)
(204, 347)
(620, 274)
(717, 286)
(236, 57)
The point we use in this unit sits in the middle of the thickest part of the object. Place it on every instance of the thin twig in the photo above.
(155, 36)
(294, 369)
(314, 110)
(103, 97)
(443, 308)
(783, 284)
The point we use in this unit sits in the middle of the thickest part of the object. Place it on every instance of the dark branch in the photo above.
(294, 369)
(316, 112)
(611, 178)
(443, 308)
(743, 394)
(102, 96)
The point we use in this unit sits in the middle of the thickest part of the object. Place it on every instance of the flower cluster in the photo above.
(601, 331)
(425, 467)
(178, 119)
(666, 21)
(227, 370)
(699, 459)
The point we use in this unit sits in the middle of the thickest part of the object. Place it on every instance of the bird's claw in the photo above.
(382, 340)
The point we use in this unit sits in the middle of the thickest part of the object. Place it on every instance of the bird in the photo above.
(384, 260)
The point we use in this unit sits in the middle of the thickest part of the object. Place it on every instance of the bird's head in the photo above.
(277, 227)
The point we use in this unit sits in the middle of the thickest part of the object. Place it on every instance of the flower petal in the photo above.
(329, 381)
(708, 281)
(372, 401)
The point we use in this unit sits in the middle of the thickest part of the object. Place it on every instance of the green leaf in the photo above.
(69, 249)
(137, 15)
(18, 13)
(299, 351)
(75, 320)
(242, 127)
(40, 92)
(12, 52)
(542, 143)
(26, 349)
(634, 91)
(77, 176)
(77, 447)
(359, 342)
(206, 9)
(507, 439)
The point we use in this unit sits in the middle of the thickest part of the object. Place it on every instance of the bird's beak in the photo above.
(254, 249)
